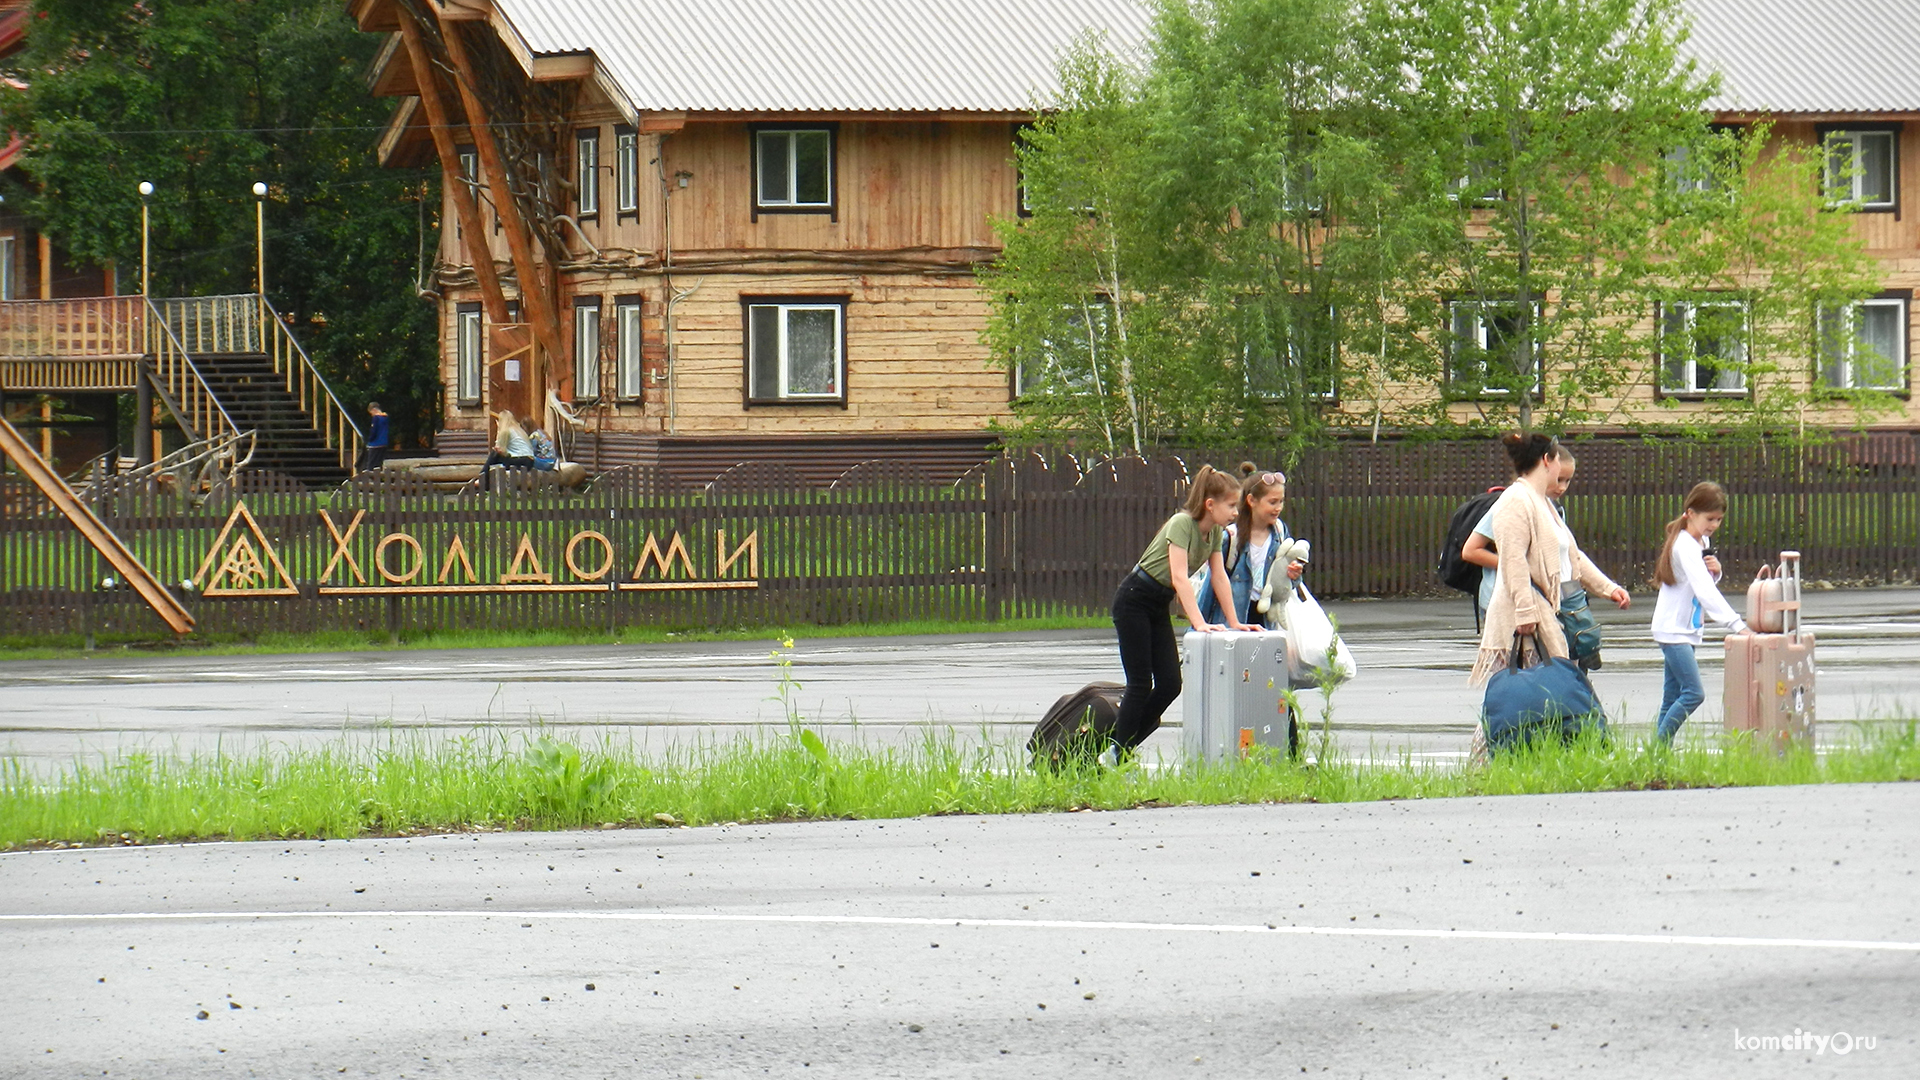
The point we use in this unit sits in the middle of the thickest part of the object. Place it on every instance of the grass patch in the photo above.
(497, 781)
(68, 646)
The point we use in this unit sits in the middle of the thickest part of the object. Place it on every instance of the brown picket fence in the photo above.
(1024, 535)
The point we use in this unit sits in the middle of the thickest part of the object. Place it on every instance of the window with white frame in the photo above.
(1479, 183)
(793, 170)
(795, 349)
(467, 338)
(1296, 355)
(1862, 167)
(586, 159)
(1071, 354)
(1863, 346)
(1300, 189)
(1700, 167)
(1487, 355)
(586, 349)
(626, 170)
(1703, 347)
(627, 342)
(6, 268)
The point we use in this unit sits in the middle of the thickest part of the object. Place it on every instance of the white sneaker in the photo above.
(1110, 757)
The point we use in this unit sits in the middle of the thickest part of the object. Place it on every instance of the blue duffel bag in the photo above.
(1553, 695)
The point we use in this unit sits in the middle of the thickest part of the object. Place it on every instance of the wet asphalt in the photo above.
(1411, 696)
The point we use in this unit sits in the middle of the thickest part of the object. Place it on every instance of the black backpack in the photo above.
(1456, 572)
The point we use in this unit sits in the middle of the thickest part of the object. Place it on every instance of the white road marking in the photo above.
(1710, 941)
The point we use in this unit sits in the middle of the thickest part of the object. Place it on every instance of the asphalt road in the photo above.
(1628, 935)
(1411, 695)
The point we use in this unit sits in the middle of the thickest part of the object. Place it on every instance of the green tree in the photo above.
(1569, 142)
(203, 98)
(1073, 306)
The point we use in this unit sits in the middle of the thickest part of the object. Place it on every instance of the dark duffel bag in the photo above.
(1078, 727)
(1553, 696)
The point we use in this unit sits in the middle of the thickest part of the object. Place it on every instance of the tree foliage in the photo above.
(203, 98)
(1436, 216)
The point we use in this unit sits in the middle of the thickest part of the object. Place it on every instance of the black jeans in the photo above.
(498, 458)
(1147, 654)
(373, 457)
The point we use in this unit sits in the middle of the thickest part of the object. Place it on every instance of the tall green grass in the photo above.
(499, 781)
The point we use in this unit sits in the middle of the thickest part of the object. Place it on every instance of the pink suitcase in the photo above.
(1769, 677)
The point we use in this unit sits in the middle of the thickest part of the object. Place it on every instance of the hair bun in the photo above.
(1248, 468)
(1512, 438)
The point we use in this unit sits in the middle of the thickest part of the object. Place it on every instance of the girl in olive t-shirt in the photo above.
(1147, 649)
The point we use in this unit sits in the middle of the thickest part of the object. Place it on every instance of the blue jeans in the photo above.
(1683, 692)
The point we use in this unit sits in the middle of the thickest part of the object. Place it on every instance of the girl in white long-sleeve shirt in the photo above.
(1688, 594)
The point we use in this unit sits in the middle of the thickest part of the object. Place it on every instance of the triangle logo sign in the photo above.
(248, 566)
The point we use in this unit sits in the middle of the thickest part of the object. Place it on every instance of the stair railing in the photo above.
(215, 324)
(247, 323)
(179, 383)
(304, 381)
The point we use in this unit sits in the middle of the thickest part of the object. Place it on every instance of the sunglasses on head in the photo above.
(1273, 478)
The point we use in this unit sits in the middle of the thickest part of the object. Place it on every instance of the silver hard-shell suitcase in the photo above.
(1233, 693)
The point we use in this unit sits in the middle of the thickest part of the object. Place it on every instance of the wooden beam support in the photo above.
(472, 227)
(96, 532)
(562, 67)
(535, 294)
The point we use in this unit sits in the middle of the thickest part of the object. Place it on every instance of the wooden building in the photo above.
(730, 230)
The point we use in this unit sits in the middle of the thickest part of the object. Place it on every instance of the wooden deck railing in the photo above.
(92, 343)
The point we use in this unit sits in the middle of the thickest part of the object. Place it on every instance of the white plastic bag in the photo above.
(1310, 637)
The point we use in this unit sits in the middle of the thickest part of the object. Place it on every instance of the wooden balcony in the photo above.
(89, 344)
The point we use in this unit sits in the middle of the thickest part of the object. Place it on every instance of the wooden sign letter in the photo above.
(340, 550)
(523, 557)
(456, 551)
(750, 547)
(651, 553)
(380, 558)
(606, 560)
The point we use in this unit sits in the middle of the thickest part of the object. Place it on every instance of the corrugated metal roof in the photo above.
(1000, 55)
(1811, 56)
(827, 55)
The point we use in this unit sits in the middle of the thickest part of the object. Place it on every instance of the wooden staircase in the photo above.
(221, 365)
(257, 398)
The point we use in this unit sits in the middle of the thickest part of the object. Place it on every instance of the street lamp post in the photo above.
(143, 387)
(146, 189)
(260, 236)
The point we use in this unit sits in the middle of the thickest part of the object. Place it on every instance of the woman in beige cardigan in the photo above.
(1537, 553)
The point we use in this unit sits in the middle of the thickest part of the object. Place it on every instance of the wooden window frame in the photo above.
(831, 208)
(1893, 130)
(1904, 390)
(629, 350)
(461, 360)
(1021, 207)
(1328, 398)
(587, 390)
(626, 171)
(586, 180)
(1661, 390)
(1016, 388)
(1451, 389)
(840, 302)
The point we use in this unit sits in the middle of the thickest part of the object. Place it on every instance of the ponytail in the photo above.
(1208, 483)
(1706, 497)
